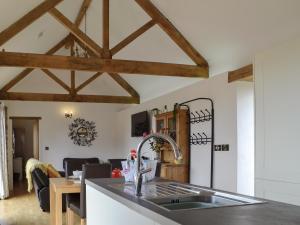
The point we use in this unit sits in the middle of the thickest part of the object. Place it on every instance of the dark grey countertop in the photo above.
(269, 213)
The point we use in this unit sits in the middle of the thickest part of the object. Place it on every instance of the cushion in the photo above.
(52, 172)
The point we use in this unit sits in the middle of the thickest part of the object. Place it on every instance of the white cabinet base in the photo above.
(102, 209)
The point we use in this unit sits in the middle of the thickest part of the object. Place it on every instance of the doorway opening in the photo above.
(25, 143)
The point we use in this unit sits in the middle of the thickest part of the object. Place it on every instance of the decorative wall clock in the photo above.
(82, 132)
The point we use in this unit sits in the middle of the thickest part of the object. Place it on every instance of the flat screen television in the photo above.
(139, 124)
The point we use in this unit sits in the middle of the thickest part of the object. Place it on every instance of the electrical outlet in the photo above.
(225, 148)
(218, 148)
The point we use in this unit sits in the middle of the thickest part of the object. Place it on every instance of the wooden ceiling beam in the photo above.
(57, 80)
(58, 46)
(80, 16)
(27, 19)
(88, 81)
(30, 60)
(27, 71)
(15, 80)
(245, 73)
(93, 46)
(120, 80)
(54, 49)
(105, 33)
(124, 84)
(68, 98)
(132, 37)
(84, 7)
(172, 31)
(73, 82)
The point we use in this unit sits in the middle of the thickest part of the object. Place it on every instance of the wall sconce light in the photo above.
(68, 115)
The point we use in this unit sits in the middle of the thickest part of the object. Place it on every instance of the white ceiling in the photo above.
(227, 33)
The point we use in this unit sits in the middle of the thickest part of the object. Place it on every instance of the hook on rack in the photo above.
(193, 117)
(203, 116)
(205, 139)
(199, 139)
(209, 116)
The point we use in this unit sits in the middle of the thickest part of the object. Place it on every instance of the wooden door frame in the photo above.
(24, 118)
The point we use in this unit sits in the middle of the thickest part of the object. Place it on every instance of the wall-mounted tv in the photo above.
(139, 124)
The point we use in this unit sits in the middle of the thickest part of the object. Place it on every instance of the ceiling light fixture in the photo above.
(77, 49)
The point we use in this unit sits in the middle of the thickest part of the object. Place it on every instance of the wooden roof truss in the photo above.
(100, 59)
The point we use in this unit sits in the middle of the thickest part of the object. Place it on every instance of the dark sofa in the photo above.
(41, 181)
(42, 191)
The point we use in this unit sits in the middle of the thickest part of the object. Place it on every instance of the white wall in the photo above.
(53, 129)
(114, 129)
(245, 138)
(277, 79)
(224, 96)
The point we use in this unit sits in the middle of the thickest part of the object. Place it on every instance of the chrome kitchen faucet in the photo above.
(138, 177)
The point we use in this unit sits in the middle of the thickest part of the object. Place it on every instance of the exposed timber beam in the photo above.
(88, 81)
(73, 81)
(56, 79)
(29, 60)
(132, 37)
(173, 33)
(93, 46)
(80, 16)
(124, 84)
(18, 78)
(116, 77)
(120, 80)
(58, 46)
(68, 98)
(85, 5)
(245, 73)
(105, 36)
(26, 20)
(27, 71)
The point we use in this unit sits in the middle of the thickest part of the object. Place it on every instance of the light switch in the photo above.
(225, 148)
(218, 148)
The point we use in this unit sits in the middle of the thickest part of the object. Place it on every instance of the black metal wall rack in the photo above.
(201, 138)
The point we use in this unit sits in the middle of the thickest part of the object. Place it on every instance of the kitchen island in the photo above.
(109, 203)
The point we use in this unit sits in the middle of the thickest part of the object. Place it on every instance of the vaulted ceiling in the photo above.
(227, 33)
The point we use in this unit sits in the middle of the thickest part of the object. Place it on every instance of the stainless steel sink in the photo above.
(176, 196)
(159, 189)
(194, 202)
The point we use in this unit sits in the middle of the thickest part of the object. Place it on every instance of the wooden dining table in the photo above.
(58, 187)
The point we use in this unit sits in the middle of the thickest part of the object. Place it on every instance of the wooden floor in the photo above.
(23, 208)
